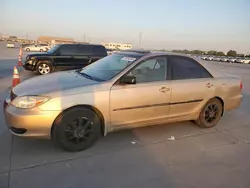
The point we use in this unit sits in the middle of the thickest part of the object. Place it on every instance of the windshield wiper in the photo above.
(86, 75)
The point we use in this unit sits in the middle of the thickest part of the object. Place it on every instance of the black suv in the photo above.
(65, 56)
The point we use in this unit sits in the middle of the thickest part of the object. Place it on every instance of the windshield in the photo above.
(109, 66)
(53, 49)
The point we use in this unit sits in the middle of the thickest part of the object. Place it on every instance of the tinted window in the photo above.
(68, 49)
(150, 70)
(187, 68)
(84, 50)
(98, 50)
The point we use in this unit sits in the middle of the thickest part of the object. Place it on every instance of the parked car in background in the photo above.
(10, 45)
(110, 51)
(26, 45)
(65, 56)
(210, 58)
(233, 59)
(217, 58)
(37, 48)
(224, 59)
(203, 57)
(74, 108)
(243, 60)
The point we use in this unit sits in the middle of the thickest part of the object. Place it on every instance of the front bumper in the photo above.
(29, 65)
(29, 122)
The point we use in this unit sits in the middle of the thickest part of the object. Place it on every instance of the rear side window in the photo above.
(98, 50)
(187, 68)
(84, 50)
(68, 50)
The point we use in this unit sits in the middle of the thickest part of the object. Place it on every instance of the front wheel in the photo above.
(44, 68)
(210, 114)
(76, 129)
(27, 49)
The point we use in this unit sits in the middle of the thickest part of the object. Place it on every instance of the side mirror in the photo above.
(128, 80)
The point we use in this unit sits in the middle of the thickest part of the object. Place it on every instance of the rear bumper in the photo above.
(233, 102)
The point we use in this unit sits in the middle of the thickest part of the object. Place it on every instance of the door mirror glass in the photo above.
(128, 80)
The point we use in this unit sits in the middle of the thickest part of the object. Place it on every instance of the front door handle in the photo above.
(164, 89)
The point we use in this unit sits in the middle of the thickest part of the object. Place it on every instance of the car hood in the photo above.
(38, 54)
(52, 83)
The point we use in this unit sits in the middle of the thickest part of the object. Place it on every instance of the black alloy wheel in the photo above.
(76, 129)
(210, 114)
(79, 130)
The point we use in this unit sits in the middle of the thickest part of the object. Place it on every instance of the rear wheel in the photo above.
(210, 114)
(76, 129)
(41, 50)
(44, 68)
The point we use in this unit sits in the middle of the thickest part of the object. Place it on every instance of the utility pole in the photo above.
(84, 38)
(140, 35)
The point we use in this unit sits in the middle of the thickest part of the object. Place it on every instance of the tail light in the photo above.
(241, 85)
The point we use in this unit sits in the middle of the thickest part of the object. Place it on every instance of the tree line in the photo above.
(231, 53)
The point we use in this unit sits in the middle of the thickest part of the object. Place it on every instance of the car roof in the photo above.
(83, 44)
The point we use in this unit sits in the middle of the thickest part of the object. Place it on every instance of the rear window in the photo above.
(98, 50)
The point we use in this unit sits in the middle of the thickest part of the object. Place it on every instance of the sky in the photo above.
(163, 24)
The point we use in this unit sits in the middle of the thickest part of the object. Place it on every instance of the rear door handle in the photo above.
(164, 89)
(209, 85)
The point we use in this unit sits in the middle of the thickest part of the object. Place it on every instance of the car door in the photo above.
(33, 48)
(145, 102)
(192, 86)
(64, 57)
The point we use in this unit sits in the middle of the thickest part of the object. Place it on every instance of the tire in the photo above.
(41, 50)
(210, 114)
(44, 68)
(76, 129)
(27, 50)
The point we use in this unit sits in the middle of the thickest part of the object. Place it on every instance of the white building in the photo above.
(117, 46)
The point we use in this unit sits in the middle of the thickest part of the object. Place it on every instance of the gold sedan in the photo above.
(124, 90)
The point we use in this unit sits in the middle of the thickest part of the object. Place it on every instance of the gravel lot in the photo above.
(202, 158)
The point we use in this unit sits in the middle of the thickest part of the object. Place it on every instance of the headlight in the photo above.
(29, 101)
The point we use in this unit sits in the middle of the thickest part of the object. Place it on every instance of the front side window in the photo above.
(53, 49)
(151, 70)
(109, 66)
(187, 68)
